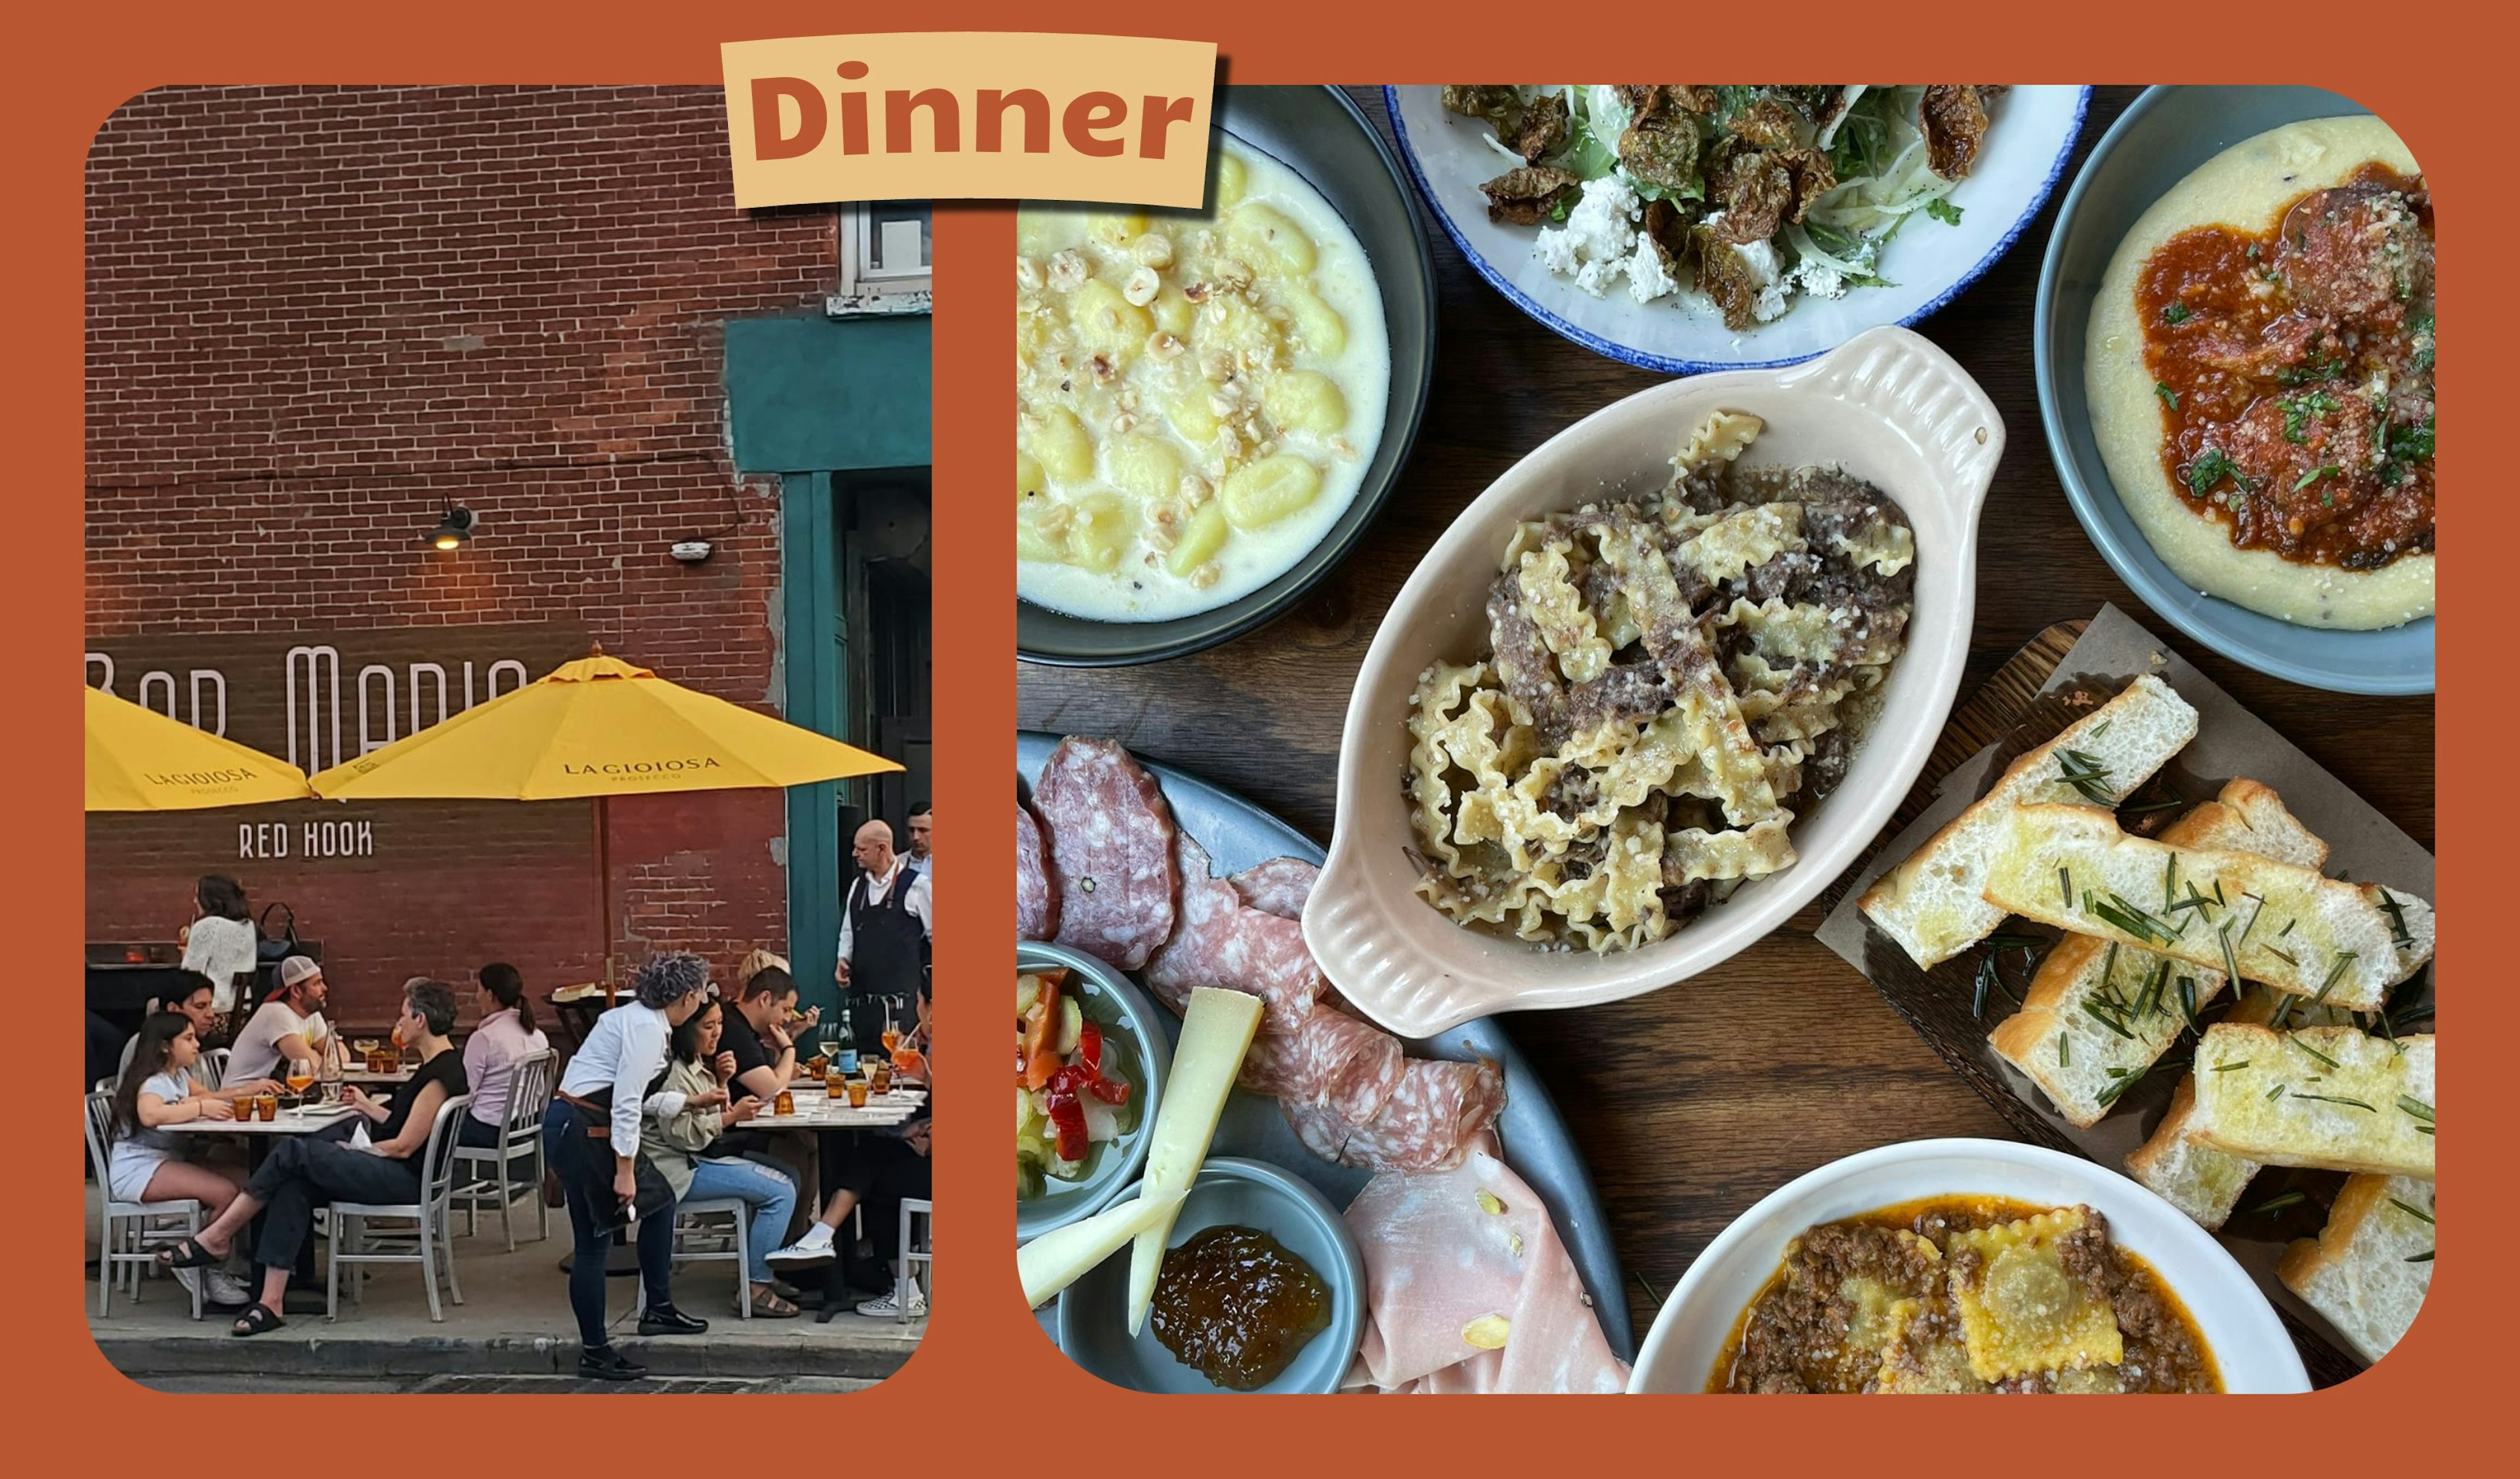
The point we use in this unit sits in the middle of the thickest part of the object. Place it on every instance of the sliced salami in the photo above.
(1036, 889)
(1351, 1067)
(1279, 887)
(1110, 837)
(1222, 942)
(1430, 1122)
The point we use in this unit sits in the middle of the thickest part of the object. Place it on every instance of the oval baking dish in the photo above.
(1888, 407)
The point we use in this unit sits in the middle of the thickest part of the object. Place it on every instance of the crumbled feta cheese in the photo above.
(1647, 278)
(1821, 280)
(1766, 269)
(1594, 245)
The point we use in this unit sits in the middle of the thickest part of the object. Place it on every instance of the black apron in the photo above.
(887, 960)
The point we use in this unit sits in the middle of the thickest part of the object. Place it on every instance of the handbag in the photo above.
(268, 950)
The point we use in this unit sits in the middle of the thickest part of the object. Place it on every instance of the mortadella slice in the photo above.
(1469, 1289)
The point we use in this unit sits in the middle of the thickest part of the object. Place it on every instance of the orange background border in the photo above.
(984, 1376)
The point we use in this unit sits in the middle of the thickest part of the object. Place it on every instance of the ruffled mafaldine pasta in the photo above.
(1667, 682)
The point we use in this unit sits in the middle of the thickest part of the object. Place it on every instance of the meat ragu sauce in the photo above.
(1859, 1306)
(2295, 371)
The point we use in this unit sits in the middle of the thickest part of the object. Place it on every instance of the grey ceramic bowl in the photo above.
(1121, 1009)
(1094, 1311)
(2162, 137)
(1319, 134)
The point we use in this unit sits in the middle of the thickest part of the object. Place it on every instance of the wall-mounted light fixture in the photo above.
(454, 527)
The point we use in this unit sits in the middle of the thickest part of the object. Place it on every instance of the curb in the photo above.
(536, 1356)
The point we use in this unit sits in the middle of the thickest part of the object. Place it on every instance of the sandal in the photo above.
(257, 1319)
(767, 1305)
(188, 1253)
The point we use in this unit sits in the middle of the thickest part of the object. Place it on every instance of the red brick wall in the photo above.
(313, 313)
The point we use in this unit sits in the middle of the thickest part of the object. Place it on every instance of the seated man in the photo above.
(303, 1172)
(759, 1035)
(193, 1000)
(289, 1028)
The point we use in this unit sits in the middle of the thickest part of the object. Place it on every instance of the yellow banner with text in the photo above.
(960, 114)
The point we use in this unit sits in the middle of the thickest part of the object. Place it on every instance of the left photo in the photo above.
(507, 651)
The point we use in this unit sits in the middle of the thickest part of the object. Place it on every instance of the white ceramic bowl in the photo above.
(1888, 407)
(1927, 264)
(2248, 1342)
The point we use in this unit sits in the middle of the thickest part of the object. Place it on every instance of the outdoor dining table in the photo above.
(259, 1137)
(377, 1076)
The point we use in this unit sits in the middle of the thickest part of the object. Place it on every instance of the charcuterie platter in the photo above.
(1239, 837)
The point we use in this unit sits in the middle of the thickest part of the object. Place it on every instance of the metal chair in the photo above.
(921, 1252)
(432, 1224)
(697, 1242)
(520, 1145)
(133, 1231)
(210, 1070)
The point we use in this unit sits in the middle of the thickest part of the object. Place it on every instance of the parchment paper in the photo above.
(2229, 742)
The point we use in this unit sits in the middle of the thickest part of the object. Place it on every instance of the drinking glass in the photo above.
(857, 1094)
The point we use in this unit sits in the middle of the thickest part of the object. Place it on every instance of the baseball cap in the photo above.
(297, 969)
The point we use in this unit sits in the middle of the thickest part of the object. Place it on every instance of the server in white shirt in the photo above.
(883, 938)
(592, 1134)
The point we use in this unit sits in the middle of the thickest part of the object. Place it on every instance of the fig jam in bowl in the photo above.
(1240, 1216)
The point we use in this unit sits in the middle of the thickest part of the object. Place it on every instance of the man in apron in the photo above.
(884, 939)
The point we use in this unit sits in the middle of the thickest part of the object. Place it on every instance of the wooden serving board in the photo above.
(1944, 1018)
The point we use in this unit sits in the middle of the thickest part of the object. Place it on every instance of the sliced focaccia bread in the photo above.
(2098, 1014)
(2205, 1183)
(2278, 923)
(2330, 1097)
(1932, 904)
(2368, 1269)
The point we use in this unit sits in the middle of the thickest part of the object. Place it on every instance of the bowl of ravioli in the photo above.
(1967, 1266)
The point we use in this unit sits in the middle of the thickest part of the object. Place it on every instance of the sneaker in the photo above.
(225, 1290)
(802, 1252)
(191, 1279)
(884, 1307)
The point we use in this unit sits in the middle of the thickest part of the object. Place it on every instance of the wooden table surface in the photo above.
(1695, 1101)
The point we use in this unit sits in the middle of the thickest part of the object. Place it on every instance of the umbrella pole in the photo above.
(604, 887)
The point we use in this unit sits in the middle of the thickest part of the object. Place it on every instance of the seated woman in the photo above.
(195, 1001)
(504, 1037)
(302, 1171)
(143, 1161)
(686, 1117)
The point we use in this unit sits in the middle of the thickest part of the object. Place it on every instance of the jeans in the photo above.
(585, 1170)
(769, 1194)
(300, 1173)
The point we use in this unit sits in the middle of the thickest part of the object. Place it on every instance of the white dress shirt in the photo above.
(622, 1053)
(878, 889)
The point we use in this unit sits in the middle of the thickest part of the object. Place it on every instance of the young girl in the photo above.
(145, 1161)
(690, 1112)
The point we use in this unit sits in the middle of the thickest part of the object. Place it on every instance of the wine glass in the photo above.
(302, 1077)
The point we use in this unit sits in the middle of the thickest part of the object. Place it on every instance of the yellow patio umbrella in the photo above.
(599, 728)
(139, 760)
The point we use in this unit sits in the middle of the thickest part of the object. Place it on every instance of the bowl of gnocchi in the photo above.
(1212, 405)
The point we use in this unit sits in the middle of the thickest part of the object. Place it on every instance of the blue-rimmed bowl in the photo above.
(1094, 1311)
(2161, 138)
(1927, 264)
(1127, 1015)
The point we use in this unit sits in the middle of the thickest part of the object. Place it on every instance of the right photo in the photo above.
(1731, 740)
